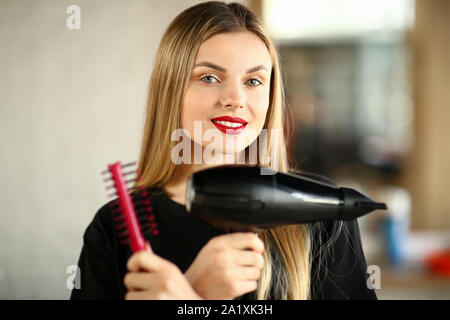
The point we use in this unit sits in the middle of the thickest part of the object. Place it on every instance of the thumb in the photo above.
(148, 247)
(146, 260)
(136, 261)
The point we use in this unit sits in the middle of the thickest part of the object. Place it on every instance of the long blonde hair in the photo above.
(286, 272)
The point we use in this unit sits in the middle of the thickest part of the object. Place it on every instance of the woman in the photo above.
(215, 60)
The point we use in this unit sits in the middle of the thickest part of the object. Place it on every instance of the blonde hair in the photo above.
(286, 272)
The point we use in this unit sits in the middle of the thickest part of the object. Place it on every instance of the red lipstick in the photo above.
(232, 126)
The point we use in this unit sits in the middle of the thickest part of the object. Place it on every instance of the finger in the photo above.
(148, 261)
(248, 258)
(243, 241)
(135, 295)
(244, 287)
(134, 281)
(141, 295)
(248, 273)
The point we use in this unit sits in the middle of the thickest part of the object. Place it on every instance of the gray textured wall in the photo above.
(71, 101)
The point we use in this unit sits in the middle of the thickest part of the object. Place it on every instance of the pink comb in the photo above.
(126, 211)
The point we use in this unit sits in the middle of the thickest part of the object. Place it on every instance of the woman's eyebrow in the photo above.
(222, 69)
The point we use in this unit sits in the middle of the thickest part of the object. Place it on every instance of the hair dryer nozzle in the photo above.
(357, 204)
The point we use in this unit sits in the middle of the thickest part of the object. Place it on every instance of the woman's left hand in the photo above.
(154, 278)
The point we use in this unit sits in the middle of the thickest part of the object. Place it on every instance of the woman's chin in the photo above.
(227, 156)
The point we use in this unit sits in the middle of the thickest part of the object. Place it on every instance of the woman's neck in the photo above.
(176, 187)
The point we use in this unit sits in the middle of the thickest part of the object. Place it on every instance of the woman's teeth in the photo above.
(229, 124)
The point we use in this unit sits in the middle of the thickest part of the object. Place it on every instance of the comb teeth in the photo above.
(120, 226)
(137, 219)
(117, 219)
(129, 164)
(145, 215)
(127, 182)
(123, 234)
(112, 186)
(126, 165)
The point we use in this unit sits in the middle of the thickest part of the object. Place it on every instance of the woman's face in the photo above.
(230, 78)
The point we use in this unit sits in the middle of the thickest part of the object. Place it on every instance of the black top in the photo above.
(339, 272)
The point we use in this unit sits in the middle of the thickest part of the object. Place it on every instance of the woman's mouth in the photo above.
(229, 127)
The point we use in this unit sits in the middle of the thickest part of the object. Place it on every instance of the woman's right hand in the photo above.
(228, 266)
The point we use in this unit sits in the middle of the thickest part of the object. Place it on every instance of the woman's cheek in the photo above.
(261, 112)
(195, 113)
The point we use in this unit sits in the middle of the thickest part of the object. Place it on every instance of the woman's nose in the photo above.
(233, 96)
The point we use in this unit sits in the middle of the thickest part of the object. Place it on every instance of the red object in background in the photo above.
(439, 262)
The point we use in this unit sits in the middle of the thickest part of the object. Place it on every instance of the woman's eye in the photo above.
(254, 82)
(209, 79)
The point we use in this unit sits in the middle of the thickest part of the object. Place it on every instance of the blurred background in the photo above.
(366, 83)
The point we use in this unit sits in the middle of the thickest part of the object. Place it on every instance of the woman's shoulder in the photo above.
(100, 222)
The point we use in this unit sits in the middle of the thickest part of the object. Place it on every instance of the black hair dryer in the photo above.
(241, 198)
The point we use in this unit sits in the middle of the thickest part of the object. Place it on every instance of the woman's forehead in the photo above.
(238, 49)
